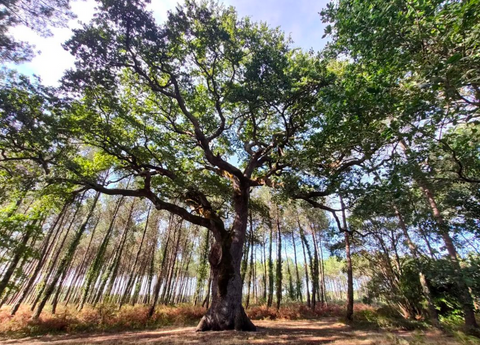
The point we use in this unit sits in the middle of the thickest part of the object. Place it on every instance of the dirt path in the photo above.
(324, 331)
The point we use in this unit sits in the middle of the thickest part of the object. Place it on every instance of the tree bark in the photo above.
(202, 271)
(349, 314)
(299, 282)
(310, 303)
(67, 259)
(464, 293)
(135, 261)
(226, 311)
(158, 283)
(416, 256)
(270, 270)
(250, 272)
(93, 271)
(19, 251)
(41, 261)
(305, 264)
(279, 261)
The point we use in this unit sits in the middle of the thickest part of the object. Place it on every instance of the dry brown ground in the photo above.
(324, 331)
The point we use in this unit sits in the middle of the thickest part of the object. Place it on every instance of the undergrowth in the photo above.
(104, 318)
(108, 318)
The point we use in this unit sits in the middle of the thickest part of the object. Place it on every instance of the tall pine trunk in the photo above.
(298, 284)
(349, 314)
(270, 270)
(279, 261)
(463, 291)
(67, 259)
(423, 281)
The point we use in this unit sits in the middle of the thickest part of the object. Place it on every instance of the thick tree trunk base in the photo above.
(222, 320)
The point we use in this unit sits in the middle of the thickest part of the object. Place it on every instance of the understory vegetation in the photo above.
(107, 318)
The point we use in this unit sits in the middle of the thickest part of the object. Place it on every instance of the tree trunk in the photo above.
(206, 301)
(279, 261)
(305, 264)
(67, 259)
(310, 303)
(135, 261)
(158, 283)
(423, 281)
(94, 270)
(202, 271)
(19, 251)
(270, 270)
(226, 311)
(316, 271)
(41, 260)
(82, 269)
(250, 272)
(264, 251)
(322, 271)
(349, 314)
(463, 291)
(171, 270)
(297, 274)
(291, 289)
(118, 257)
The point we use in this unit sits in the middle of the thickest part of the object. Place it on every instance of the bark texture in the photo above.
(226, 311)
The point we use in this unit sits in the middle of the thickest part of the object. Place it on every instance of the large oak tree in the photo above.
(199, 110)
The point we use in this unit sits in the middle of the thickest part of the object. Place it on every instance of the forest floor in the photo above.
(321, 331)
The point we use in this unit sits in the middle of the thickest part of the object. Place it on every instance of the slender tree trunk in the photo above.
(305, 264)
(315, 274)
(206, 301)
(82, 268)
(158, 283)
(41, 260)
(270, 270)
(349, 314)
(291, 289)
(94, 269)
(171, 271)
(135, 261)
(423, 281)
(51, 256)
(202, 272)
(53, 261)
(322, 271)
(151, 257)
(297, 274)
(250, 272)
(305, 245)
(279, 261)
(264, 245)
(59, 289)
(118, 255)
(19, 251)
(243, 269)
(463, 291)
(67, 259)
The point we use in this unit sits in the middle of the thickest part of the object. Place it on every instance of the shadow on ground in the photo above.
(325, 331)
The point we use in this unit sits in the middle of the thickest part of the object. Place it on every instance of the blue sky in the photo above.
(299, 19)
